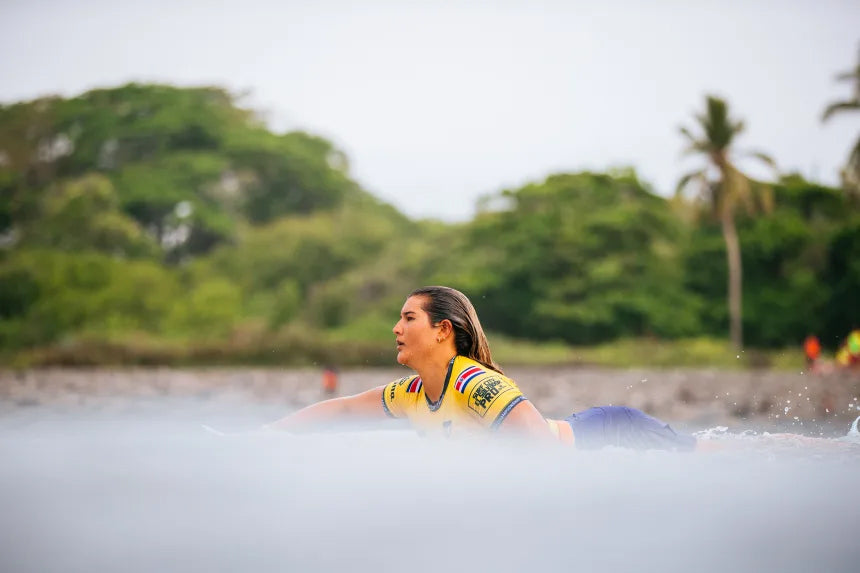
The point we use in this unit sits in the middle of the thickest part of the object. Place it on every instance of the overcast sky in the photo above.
(437, 103)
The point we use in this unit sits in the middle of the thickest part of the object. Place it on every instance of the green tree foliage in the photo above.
(28, 145)
(841, 282)
(295, 173)
(174, 198)
(93, 200)
(363, 301)
(187, 165)
(799, 278)
(169, 174)
(210, 310)
(55, 294)
(289, 260)
(172, 220)
(580, 258)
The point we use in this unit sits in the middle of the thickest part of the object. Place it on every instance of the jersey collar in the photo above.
(435, 405)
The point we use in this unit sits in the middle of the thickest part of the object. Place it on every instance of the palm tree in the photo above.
(851, 173)
(724, 193)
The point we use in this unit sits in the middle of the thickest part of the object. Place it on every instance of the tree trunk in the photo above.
(733, 256)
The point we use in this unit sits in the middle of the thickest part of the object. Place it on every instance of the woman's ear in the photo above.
(446, 329)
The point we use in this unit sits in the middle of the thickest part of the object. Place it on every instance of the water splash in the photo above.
(853, 435)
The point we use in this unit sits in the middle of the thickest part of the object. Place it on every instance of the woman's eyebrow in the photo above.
(407, 312)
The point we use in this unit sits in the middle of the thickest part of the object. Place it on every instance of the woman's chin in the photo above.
(401, 358)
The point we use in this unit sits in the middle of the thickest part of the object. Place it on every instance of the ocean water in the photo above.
(152, 490)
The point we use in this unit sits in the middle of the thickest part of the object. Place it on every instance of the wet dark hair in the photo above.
(446, 303)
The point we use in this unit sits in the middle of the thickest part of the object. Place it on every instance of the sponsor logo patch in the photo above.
(483, 395)
(393, 388)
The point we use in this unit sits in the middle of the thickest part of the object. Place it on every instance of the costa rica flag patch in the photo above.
(415, 385)
(467, 376)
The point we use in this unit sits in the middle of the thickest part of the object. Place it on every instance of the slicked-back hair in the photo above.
(447, 303)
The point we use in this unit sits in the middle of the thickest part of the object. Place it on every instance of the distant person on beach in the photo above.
(812, 350)
(329, 381)
(458, 389)
(848, 355)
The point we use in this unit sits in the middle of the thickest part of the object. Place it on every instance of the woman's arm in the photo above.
(525, 420)
(367, 405)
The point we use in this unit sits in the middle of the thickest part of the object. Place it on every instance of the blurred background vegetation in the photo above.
(150, 224)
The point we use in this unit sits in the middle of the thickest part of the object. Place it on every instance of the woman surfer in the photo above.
(458, 389)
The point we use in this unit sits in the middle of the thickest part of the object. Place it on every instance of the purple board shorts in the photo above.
(626, 428)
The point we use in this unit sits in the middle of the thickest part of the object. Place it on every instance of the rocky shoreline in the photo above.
(689, 398)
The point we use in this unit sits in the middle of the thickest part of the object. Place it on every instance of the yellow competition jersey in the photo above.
(474, 398)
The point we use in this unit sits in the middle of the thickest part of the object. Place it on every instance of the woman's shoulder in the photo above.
(411, 383)
(488, 394)
(467, 368)
(467, 372)
(403, 388)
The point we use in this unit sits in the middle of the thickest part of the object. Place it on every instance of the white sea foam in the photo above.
(158, 493)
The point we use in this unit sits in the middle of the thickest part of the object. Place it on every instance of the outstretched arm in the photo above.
(525, 420)
(367, 405)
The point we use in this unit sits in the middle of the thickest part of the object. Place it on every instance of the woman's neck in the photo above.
(433, 374)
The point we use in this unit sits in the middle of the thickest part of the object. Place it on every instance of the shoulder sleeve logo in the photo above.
(397, 395)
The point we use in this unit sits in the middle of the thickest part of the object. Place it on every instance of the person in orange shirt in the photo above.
(329, 381)
(812, 349)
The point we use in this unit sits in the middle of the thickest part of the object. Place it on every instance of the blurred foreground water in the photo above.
(148, 489)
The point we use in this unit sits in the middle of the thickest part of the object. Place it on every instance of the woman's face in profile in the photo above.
(414, 335)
